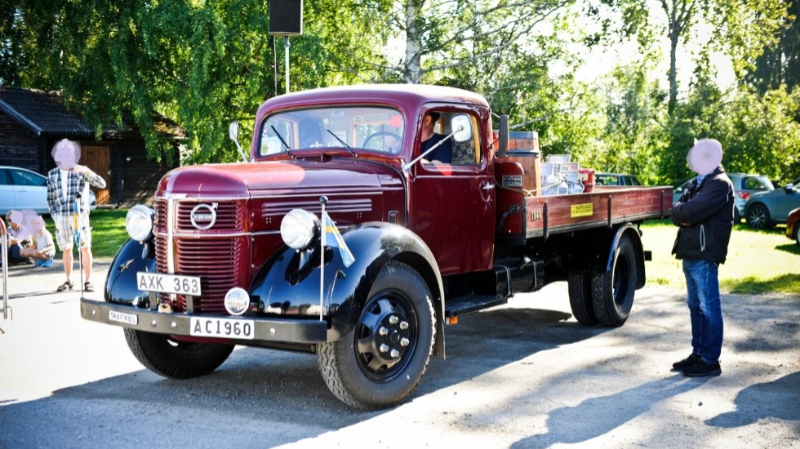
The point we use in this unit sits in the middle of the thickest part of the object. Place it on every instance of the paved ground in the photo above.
(525, 375)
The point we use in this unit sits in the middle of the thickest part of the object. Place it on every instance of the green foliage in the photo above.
(201, 63)
(780, 63)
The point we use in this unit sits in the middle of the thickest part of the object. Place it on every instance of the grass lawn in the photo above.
(108, 231)
(758, 261)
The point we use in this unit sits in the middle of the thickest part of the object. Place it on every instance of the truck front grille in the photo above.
(217, 259)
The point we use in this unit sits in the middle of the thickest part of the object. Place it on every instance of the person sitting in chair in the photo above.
(444, 152)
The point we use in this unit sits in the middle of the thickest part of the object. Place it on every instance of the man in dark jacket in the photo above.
(704, 215)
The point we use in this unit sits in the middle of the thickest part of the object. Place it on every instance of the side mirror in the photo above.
(462, 128)
(233, 131)
(503, 134)
(789, 188)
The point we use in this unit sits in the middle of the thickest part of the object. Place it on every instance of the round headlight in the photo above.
(139, 222)
(298, 228)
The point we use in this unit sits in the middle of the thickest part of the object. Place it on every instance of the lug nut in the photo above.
(395, 353)
(384, 347)
(404, 342)
(403, 325)
(393, 319)
(383, 331)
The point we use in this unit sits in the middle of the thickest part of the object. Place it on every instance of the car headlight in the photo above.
(139, 222)
(298, 228)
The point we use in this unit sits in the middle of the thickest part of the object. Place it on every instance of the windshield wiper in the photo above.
(341, 141)
(288, 150)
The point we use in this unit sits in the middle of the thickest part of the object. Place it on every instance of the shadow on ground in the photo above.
(756, 403)
(263, 397)
(598, 415)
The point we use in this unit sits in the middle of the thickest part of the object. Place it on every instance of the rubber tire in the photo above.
(580, 297)
(612, 291)
(174, 359)
(797, 233)
(758, 217)
(736, 217)
(339, 364)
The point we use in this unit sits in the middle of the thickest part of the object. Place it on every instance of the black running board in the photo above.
(463, 305)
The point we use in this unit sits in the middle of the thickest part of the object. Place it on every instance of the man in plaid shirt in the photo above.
(66, 184)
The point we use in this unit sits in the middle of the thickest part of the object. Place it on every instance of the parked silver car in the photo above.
(24, 189)
(744, 185)
(764, 209)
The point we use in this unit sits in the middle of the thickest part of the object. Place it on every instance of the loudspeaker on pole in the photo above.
(286, 17)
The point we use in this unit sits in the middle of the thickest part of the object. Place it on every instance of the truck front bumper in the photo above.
(264, 329)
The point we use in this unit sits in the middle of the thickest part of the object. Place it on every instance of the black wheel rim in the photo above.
(621, 283)
(386, 336)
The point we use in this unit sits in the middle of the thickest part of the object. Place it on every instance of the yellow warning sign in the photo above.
(582, 210)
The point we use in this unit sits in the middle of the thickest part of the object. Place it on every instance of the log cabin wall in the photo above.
(18, 145)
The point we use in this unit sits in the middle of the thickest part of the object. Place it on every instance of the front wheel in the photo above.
(758, 217)
(381, 361)
(612, 291)
(168, 357)
(797, 233)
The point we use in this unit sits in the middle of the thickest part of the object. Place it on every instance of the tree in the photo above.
(780, 63)
(740, 28)
(445, 34)
(201, 64)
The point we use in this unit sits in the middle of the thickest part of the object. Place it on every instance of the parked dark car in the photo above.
(615, 179)
(764, 209)
(743, 185)
(793, 226)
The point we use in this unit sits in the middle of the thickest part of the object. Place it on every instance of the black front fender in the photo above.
(121, 286)
(289, 283)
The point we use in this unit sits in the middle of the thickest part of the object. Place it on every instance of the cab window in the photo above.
(378, 129)
(461, 153)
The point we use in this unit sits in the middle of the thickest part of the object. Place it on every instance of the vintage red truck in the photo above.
(232, 253)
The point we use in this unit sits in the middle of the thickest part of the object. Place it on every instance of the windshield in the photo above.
(372, 128)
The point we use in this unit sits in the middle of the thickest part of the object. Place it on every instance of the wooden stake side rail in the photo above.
(548, 215)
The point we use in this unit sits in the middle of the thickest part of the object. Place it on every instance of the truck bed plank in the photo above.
(565, 213)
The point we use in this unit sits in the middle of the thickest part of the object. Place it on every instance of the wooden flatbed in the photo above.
(556, 214)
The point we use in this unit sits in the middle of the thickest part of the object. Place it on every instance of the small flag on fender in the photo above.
(334, 239)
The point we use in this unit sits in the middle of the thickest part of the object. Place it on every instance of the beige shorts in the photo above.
(65, 235)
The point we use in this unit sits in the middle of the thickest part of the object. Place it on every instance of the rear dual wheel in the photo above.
(605, 297)
(612, 291)
(580, 297)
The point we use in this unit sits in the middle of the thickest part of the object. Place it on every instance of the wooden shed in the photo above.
(32, 121)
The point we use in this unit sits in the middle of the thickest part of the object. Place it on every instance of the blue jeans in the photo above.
(705, 310)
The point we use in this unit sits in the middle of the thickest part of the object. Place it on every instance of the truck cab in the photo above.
(341, 237)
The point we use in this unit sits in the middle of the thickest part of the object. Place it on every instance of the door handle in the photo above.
(487, 186)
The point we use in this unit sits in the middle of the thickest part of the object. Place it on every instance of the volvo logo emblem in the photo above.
(204, 216)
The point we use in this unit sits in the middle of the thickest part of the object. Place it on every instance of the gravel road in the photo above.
(524, 375)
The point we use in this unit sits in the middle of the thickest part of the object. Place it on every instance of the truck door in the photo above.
(451, 205)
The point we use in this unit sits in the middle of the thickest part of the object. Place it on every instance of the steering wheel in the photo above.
(381, 133)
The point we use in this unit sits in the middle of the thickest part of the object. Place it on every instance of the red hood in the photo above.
(278, 177)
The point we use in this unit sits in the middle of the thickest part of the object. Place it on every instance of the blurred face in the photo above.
(65, 155)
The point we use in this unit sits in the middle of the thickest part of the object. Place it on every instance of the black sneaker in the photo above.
(685, 363)
(703, 369)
